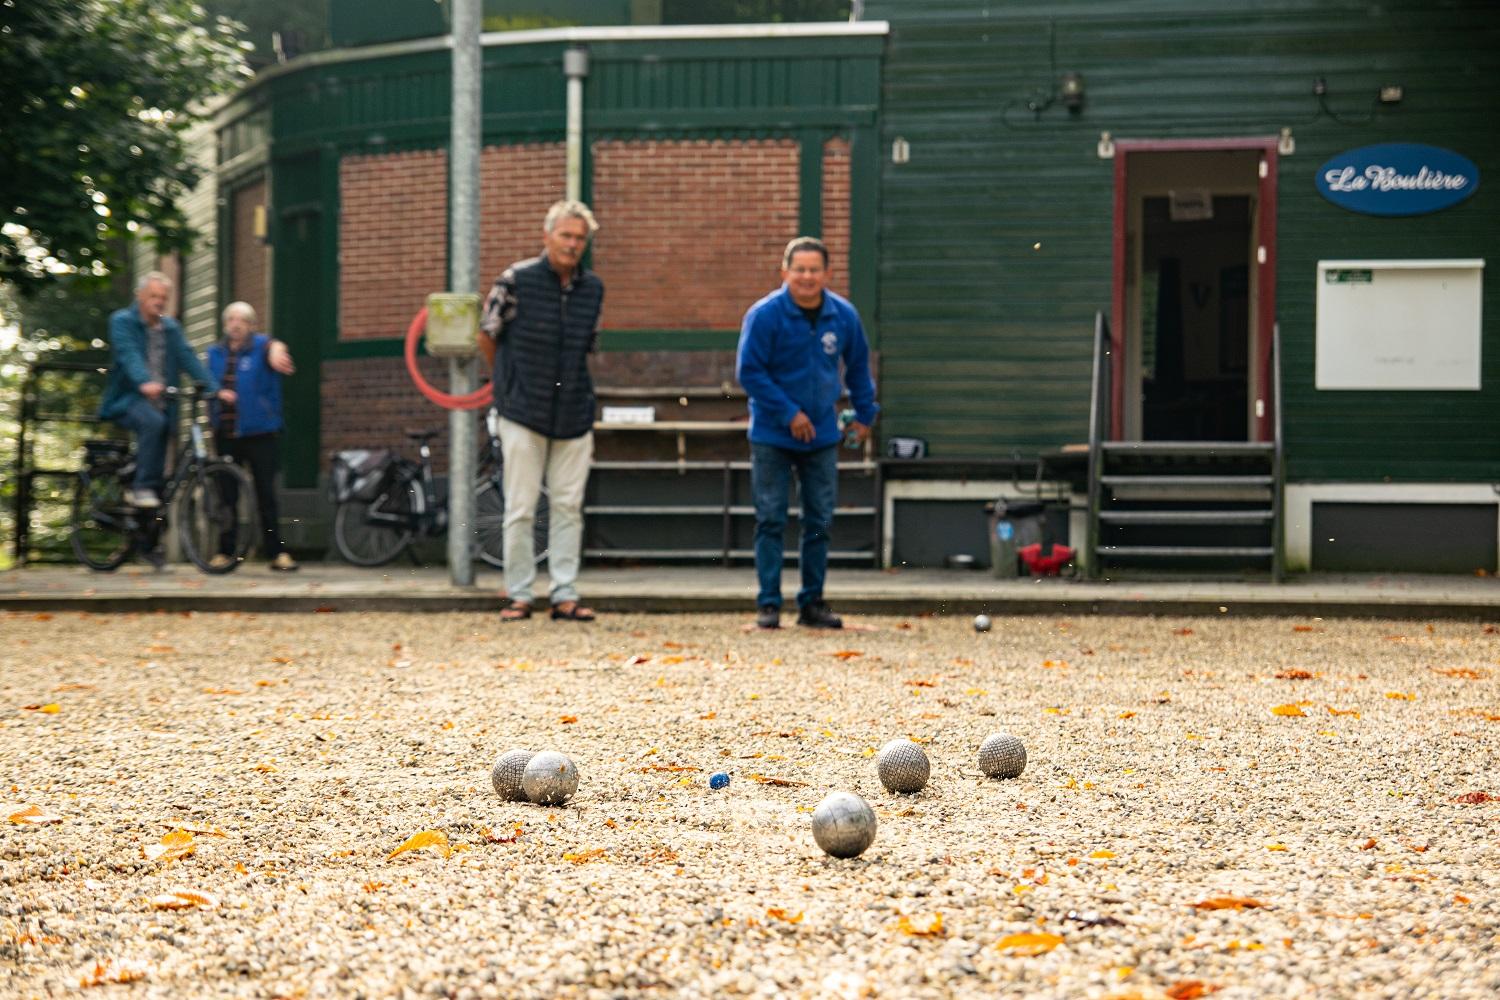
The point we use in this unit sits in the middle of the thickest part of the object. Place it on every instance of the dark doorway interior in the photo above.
(1195, 318)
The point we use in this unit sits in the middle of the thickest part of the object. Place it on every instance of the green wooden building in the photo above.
(1077, 232)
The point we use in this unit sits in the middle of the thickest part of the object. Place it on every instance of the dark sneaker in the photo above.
(769, 616)
(817, 614)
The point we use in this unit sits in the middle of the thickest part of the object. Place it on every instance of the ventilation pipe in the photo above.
(576, 68)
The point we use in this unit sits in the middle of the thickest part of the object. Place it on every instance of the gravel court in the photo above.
(1158, 777)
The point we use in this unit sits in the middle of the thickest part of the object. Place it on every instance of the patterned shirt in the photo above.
(499, 307)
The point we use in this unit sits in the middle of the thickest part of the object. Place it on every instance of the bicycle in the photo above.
(384, 502)
(213, 495)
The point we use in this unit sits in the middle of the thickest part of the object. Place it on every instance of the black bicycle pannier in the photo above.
(358, 474)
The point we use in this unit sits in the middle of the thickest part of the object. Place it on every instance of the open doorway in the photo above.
(1193, 286)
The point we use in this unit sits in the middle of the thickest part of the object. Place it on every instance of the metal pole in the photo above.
(463, 277)
(575, 67)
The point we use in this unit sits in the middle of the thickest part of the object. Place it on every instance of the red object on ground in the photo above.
(1048, 565)
(478, 399)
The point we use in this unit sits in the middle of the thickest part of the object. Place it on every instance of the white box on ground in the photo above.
(628, 415)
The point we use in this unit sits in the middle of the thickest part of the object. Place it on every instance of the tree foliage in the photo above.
(302, 25)
(98, 96)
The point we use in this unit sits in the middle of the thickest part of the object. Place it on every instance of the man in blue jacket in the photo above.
(147, 352)
(792, 345)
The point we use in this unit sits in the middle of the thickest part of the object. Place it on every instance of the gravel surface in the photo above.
(1322, 783)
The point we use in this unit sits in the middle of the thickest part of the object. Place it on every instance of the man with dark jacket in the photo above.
(147, 352)
(792, 345)
(542, 322)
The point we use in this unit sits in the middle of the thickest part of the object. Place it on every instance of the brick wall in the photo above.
(250, 260)
(836, 211)
(691, 231)
(516, 186)
(393, 240)
(371, 403)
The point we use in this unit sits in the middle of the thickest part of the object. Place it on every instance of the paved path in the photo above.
(335, 586)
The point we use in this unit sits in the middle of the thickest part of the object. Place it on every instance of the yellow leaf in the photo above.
(240, 869)
(266, 768)
(34, 816)
(1029, 943)
(111, 971)
(199, 828)
(435, 839)
(933, 928)
(1292, 710)
(373, 886)
(777, 913)
(173, 846)
(1102, 854)
(1021, 889)
(584, 857)
(183, 899)
(1126, 715)
(1275, 847)
(1393, 695)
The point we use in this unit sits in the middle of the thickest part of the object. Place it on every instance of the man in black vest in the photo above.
(542, 322)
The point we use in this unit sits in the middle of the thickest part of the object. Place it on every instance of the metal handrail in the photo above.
(1278, 542)
(1099, 402)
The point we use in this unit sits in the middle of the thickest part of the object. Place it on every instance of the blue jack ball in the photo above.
(718, 780)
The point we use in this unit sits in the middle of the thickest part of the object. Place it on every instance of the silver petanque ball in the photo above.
(982, 623)
(1001, 755)
(550, 778)
(507, 772)
(902, 766)
(843, 825)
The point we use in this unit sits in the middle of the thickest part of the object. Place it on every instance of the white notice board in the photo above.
(1399, 324)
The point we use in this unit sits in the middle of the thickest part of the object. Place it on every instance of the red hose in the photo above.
(478, 399)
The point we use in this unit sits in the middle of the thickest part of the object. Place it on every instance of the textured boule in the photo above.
(902, 766)
(507, 772)
(1001, 755)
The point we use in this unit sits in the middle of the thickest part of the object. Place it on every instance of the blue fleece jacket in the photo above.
(788, 364)
(256, 384)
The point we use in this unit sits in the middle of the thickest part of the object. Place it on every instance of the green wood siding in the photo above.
(986, 338)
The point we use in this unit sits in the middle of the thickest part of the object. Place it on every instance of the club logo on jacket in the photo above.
(830, 343)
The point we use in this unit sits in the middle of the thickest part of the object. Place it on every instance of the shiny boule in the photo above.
(982, 623)
(843, 825)
(550, 778)
(902, 766)
(507, 772)
(1001, 755)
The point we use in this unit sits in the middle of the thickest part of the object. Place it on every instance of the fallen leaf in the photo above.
(42, 616)
(674, 768)
(198, 828)
(1189, 989)
(1368, 845)
(921, 682)
(1126, 715)
(1476, 798)
(76, 687)
(933, 927)
(1294, 675)
(111, 971)
(1229, 903)
(776, 782)
(1292, 710)
(1400, 696)
(240, 869)
(265, 768)
(1343, 711)
(709, 715)
(183, 899)
(510, 838)
(34, 816)
(1102, 854)
(1467, 673)
(1182, 631)
(51, 708)
(1275, 847)
(584, 857)
(777, 913)
(847, 654)
(435, 839)
(373, 886)
(567, 720)
(1029, 943)
(173, 846)
(1461, 899)
(1303, 628)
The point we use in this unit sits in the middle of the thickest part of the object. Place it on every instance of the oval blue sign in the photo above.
(1397, 178)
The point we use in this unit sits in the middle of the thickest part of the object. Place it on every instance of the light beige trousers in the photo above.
(532, 459)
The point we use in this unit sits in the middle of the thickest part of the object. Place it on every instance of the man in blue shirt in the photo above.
(147, 351)
(792, 346)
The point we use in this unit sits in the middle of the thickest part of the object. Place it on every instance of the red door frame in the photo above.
(1265, 287)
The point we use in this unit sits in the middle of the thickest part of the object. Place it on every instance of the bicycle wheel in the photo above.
(215, 515)
(100, 535)
(373, 532)
(489, 522)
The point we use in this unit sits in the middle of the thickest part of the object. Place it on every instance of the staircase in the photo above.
(1208, 506)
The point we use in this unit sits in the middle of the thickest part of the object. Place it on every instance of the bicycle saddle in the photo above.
(422, 437)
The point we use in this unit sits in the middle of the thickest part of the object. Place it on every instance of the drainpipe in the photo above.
(575, 67)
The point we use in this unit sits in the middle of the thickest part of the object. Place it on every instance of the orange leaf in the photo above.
(1303, 628)
(111, 971)
(847, 654)
(1029, 943)
(777, 913)
(1288, 710)
(1476, 798)
(934, 927)
(1465, 672)
(1294, 675)
(1460, 899)
(1343, 711)
(762, 779)
(34, 816)
(1367, 845)
(1189, 989)
(1126, 715)
(1102, 854)
(51, 708)
(373, 886)
(584, 857)
(183, 899)
(173, 846)
(435, 839)
(199, 828)
(1229, 903)
(1182, 631)
(567, 720)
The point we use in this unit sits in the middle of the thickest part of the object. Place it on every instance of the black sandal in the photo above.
(518, 611)
(572, 611)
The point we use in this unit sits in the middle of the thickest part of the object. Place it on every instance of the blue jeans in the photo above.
(150, 427)
(818, 485)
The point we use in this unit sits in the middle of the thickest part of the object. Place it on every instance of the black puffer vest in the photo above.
(542, 379)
